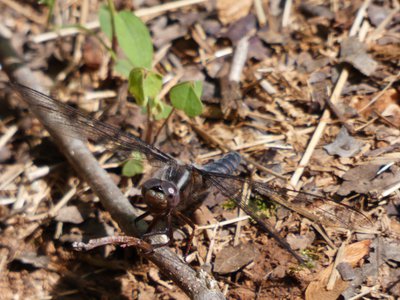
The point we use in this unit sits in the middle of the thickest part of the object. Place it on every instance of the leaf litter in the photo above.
(289, 74)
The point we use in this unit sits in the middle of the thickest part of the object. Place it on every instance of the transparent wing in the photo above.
(324, 211)
(83, 126)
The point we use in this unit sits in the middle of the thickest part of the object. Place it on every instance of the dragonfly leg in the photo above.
(158, 232)
(168, 231)
(141, 217)
(169, 226)
(186, 220)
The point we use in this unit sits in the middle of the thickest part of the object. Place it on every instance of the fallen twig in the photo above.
(122, 241)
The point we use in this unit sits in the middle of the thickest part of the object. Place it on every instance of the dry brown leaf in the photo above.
(363, 179)
(92, 54)
(300, 241)
(231, 259)
(344, 145)
(389, 98)
(241, 28)
(354, 52)
(229, 11)
(394, 226)
(70, 214)
(386, 52)
(352, 254)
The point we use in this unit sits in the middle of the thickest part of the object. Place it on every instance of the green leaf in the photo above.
(229, 204)
(162, 111)
(105, 21)
(186, 96)
(134, 39)
(49, 3)
(144, 85)
(133, 166)
(123, 67)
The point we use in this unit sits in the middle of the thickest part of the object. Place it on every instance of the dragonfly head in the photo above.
(160, 195)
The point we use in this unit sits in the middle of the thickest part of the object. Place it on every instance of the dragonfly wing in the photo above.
(83, 126)
(242, 189)
(233, 187)
(327, 213)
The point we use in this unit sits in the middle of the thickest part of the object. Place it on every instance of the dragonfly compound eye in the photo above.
(156, 200)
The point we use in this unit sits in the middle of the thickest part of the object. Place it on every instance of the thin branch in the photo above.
(262, 19)
(286, 13)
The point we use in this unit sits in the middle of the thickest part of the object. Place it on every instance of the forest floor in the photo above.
(307, 89)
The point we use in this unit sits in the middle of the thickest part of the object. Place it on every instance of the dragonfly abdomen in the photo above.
(225, 165)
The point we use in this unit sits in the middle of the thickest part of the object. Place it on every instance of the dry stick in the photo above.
(238, 62)
(319, 229)
(11, 173)
(53, 211)
(265, 84)
(335, 274)
(333, 99)
(110, 196)
(382, 26)
(223, 223)
(367, 291)
(361, 127)
(286, 13)
(381, 93)
(123, 241)
(212, 244)
(340, 116)
(262, 19)
(245, 199)
(160, 54)
(390, 190)
(200, 38)
(26, 11)
(239, 58)
(4, 256)
(8, 135)
(98, 95)
(144, 12)
(385, 120)
(221, 53)
(84, 11)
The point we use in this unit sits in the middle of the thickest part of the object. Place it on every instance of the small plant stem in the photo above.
(96, 36)
(150, 124)
(113, 38)
(50, 13)
(163, 125)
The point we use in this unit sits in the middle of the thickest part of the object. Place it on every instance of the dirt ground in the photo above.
(306, 89)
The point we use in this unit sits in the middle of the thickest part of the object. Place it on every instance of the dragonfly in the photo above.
(178, 188)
